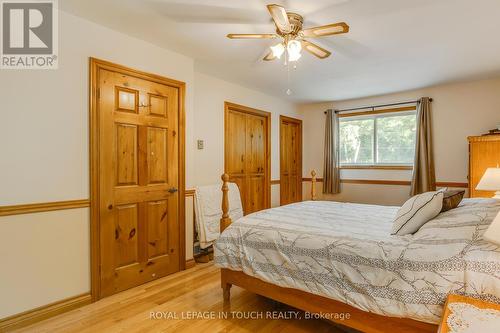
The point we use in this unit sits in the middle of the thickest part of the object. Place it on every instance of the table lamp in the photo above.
(492, 234)
(490, 182)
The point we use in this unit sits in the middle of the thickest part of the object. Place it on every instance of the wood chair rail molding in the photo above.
(55, 206)
(43, 207)
(390, 182)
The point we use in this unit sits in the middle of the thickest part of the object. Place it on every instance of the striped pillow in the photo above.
(417, 211)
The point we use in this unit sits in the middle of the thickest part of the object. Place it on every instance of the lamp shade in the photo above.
(490, 180)
(492, 234)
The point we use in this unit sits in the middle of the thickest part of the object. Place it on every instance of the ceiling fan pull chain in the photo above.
(288, 91)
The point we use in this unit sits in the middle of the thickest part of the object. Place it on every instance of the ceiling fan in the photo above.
(293, 37)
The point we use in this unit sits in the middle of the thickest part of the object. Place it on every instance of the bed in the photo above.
(297, 255)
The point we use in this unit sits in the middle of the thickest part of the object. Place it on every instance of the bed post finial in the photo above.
(225, 221)
(313, 185)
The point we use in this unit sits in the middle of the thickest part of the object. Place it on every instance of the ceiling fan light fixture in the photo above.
(290, 32)
(294, 47)
(294, 56)
(278, 50)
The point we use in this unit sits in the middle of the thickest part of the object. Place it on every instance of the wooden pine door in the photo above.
(290, 160)
(247, 149)
(139, 216)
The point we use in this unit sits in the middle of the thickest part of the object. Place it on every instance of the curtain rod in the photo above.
(378, 106)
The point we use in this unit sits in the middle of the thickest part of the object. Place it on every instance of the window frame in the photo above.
(376, 115)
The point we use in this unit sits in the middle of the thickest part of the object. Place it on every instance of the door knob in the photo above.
(172, 190)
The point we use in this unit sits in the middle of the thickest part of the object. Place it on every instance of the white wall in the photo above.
(209, 125)
(44, 149)
(458, 110)
(44, 127)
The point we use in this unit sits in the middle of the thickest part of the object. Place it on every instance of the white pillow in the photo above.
(417, 211)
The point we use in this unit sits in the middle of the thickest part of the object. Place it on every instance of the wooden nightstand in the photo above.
(464, 311)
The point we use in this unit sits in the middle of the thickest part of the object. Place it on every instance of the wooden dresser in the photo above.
(484, 152)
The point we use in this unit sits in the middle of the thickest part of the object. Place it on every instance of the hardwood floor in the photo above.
(195, 291)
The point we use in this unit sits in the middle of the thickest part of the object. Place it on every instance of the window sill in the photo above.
(377, 167)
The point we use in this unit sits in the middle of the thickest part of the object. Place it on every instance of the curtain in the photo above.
(424, 178)
(331, 170)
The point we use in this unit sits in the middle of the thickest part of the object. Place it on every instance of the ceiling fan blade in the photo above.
(251, 36)
(270, 56)
(327, 30)
(280, 18)
(316, 50)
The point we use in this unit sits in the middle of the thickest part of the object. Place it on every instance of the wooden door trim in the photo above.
(95, 65)
(228, 106)
(284, 119)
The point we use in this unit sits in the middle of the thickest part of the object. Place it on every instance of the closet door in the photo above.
(247, 148)
(290, 160)
(236, 151)
(255, 167)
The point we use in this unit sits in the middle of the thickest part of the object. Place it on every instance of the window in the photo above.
(382, 139)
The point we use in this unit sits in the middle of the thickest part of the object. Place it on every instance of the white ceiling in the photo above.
(393, 45)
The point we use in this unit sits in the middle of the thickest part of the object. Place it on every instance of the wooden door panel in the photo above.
(139, 154)
(293, 153)
(291, 160)
(157, 228)
(126, 99)
(284, 192)
(285, 151)
(293, 188)
(126, 234)
(246, 154)
(255, 150)
(157, 155)
(236, 153)
(137, 274)
(158, 105)
(132, 194)
(126, 154)
(255, 193)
